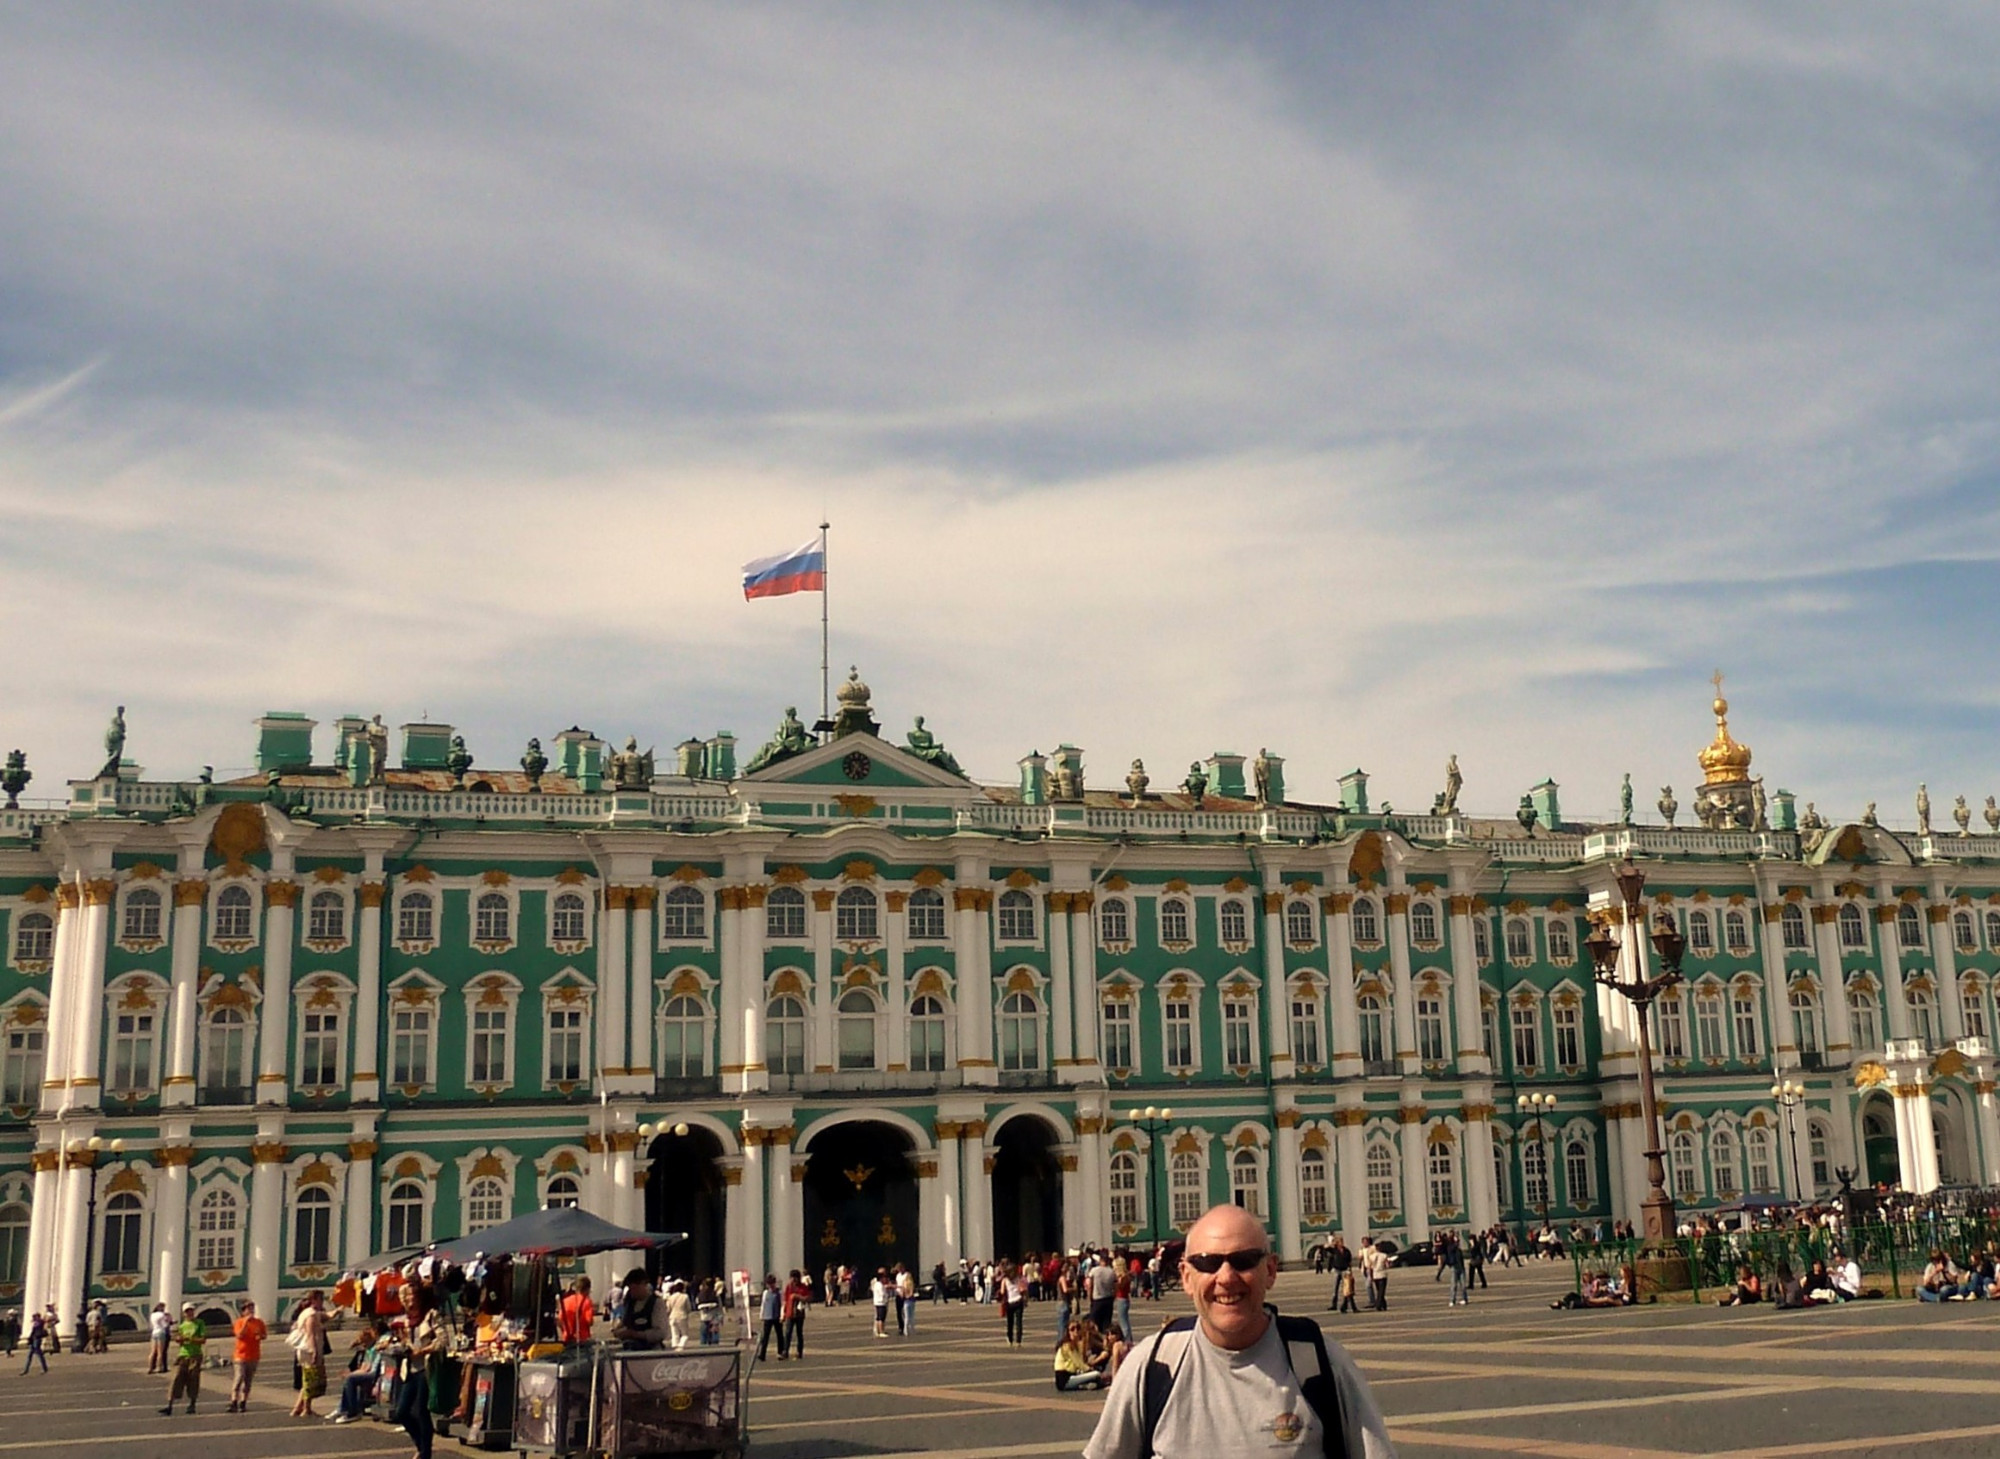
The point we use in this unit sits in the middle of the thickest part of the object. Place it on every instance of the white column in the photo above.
(1062, 997)
(170, 1206)
(748, 1195)
(930, 1214)
(750, 944)
(1777, 991)
(611, 983)
(1633, 1144)
(1916, 1141)
(177, 1089)
(823, 1048)
(281, 897)
(1094, 1176)
(1482, 1200)
(895, 941)
(950, 1204)
(1396, 908)
(62, 998)
(360, 1217)
(368, 997)
(1277, 989)
(86, 1065)
(978, 1192)
(787, 1245)
(70, 1240)
(43, 1215)
(1987, 1113)
(1888, 953)
(267, 1218)
(624, 1145)
(1616, 1194)
(1944, 958)
(975, 987)
(1076, 1220)
(1286, 1178)
(1346, 1030)
(1465, 982)
(731, 997)
(639, 1006)
(1083, 989)
(1832, 982)
(1350, 1163)
(1416, 1191)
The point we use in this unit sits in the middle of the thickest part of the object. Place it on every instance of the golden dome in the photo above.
(1724, 760)
(854, 693)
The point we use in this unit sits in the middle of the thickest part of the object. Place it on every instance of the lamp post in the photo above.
(1790, 1094)
(1538, 1106)
(78, 1148)
(1154, 1121)
(1620, 965)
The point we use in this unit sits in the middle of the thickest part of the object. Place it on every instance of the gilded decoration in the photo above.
(137, 996)
(1473, 1113)
(572, 876)
(270, 1152)
(317, 1173)
(1336, 902)
(127, 1179)
(858, 871)
(1870, 1074)
(1185, 1144)
(1349, 1118)
(1274, 902)
(420, 873)
(361, 1149)
(372, 892)
(1174, 884)
(1884, 915)
(68, 897)
(36, 894)
(789, 875)
(408, 1168)
(1236, 884)
(788, 982)
(1439, 1135)
(732, 899)
(1246, 1139)
(1288, 1119)
(238, 835)
(99, 893)
(1396, 904)
(644, 897)
(282, 893)
(1314, 1139)
(855, 807)
(1411, 1114)
(1948, 1063)
(1081, 902)
(896, 901)
(823, 899)
(1302, 886)
(1365, 860)
(488, 1164)
(1116, 883)
(45, 1160)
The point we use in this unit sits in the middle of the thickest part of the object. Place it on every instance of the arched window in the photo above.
(1909, 927)
(406, 1214)
(1423, 923)
(1792, 923)
(1246, 1181)
(1021, 1033)
(1757, 1150)
(1923, 1016)
(492, 918)
(856, 1016)
(26, 1061)
(1963, 936)
(1562, 941)
(1441, 1165)
(1232, 921)
(33, 938)
(217, 1217)
(1174, 922)
(1374, 1021)
(926, 915)
(927, 1034)
(312, 1227)
(232, 915)
(1992, 932)
(1576, 1172)
(1313, 1188)
(1185, 1185)
(1736, 932)
(1299, 923)
(683, 914)
(683, 1038)
(566, 917)
(1126, 1208)
(1535, 1175)
(416, 918)
(563, 1193)
(326, 917)
(1379, 1168)
(13, 1245)
(485, 1204)
(785, 1036)
(1366, 926)
(225, 1051)
(123, 1214)
(1016, 917)
(1685, 1157)
(1520, 941)
(785, 914)
(1503, 1176)
(1864, 1016)
(142, 917)
(1805, 1020)
(1431, 1039)
(854, 915)
(1853, 930)
(1745, 1005)
(1114, 921)
(1722, 1164)
(1701, 936)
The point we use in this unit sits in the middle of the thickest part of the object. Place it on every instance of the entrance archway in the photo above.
(1027, 1188)
(685, 1192)
(1954, 1155)
(860, 1198)
(1880, 1161)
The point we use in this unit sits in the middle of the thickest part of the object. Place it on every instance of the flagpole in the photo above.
(825, 582)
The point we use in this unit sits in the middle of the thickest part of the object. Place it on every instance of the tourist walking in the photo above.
(878, 1293)
(1102, 1284)
(1375, 1265)
(906, 1296)
(93, 1329)
(190, 1337)
(38, 1345)
(1475, 1261)
(309, 1342)
(680, 1312)
(1340, 1261)
(770, 1311)
(1454, 1263)
(159, 1328)
(797, 1298)
(1011, 1290)
(413, 1398)
(249, 1332)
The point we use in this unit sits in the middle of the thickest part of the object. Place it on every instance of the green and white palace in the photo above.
(841, 1003)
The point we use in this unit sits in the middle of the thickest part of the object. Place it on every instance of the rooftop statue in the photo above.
(1260, 776)
(1992, 815)
(631, 770)
(16, 779)
(1757, 821)
(1668, 805)
(1923, 809)
(1137, 780)
(924, 745)
(535, 763)
(1625, 800)
(1962, 814)
(791, 739)
(1196, 784)
(114, 744)
(1868, 816)
(1446, 803)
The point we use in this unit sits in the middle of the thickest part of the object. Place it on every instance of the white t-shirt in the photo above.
(161, 1326)
(1103, 1282)
(879, 1290)
(1223, 1405)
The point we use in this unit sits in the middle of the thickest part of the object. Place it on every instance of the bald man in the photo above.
(1236, 1381)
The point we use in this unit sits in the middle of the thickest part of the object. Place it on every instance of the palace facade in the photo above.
(844, 1004)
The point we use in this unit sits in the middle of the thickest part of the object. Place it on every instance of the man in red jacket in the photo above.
(798, 1297)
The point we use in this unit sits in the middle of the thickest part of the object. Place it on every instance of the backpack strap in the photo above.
(1163, 1366)
(1305, 1348)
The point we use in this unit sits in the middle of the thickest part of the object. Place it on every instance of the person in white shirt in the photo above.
(1847, 1276)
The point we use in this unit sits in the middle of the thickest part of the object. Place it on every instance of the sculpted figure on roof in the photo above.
(790, 739)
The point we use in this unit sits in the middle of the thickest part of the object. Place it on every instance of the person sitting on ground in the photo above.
(1105, 1349)
(1073, 1369)
(1818, 1285)
(364, 1375)
(1787, 1292)
(1628, 1285)
(1940, 1282)
(1747, 1292)
(1979, 1273)
(1846, 1276)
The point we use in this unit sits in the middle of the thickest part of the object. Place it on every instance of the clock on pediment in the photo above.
(856, 766)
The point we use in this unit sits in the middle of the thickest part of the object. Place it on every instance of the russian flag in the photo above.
(802, 570)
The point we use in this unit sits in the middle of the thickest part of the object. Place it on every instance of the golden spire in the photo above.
(1724, 760)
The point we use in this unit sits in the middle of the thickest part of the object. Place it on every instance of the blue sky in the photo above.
(1366, 383)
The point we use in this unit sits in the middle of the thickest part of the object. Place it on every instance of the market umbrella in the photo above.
(559, 1231)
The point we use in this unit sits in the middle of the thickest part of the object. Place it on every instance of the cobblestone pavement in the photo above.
(1505, 1376)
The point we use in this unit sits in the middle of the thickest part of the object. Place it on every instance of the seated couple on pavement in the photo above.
(1087, 1358)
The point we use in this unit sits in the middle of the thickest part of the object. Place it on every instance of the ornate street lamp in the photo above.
(1790, 1094)
(1620, 964)
(1154, 1121)
(1539, 1106)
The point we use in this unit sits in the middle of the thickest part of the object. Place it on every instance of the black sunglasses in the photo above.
(1210, 1262)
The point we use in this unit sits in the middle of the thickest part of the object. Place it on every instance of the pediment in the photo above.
(861, 763)
(1856, 844)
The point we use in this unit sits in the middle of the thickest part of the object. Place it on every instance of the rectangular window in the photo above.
(1867, 1025)
(1569, 1037)
(1443, 1170)
(1430, 1029)
(319, 1050)
(565, 1046)
(1527, 1036)
(410, 1046)
(1747, 1033)
(413, 919)
(1118, 1034)
(1489, 1036)
(1482, 941)
(1535, 1174)
(1672, 1014)
(927, 1038)
(1124, 1191)
(1305, 1033)
(1189, 1198)
(1380, 1169)
(1179, 1024)
(489, 1045)
(1708, 1028)
(132, 1053)
(1312, 1188)
(26, 1057)
(1975, 1014)
(1236, 1042)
